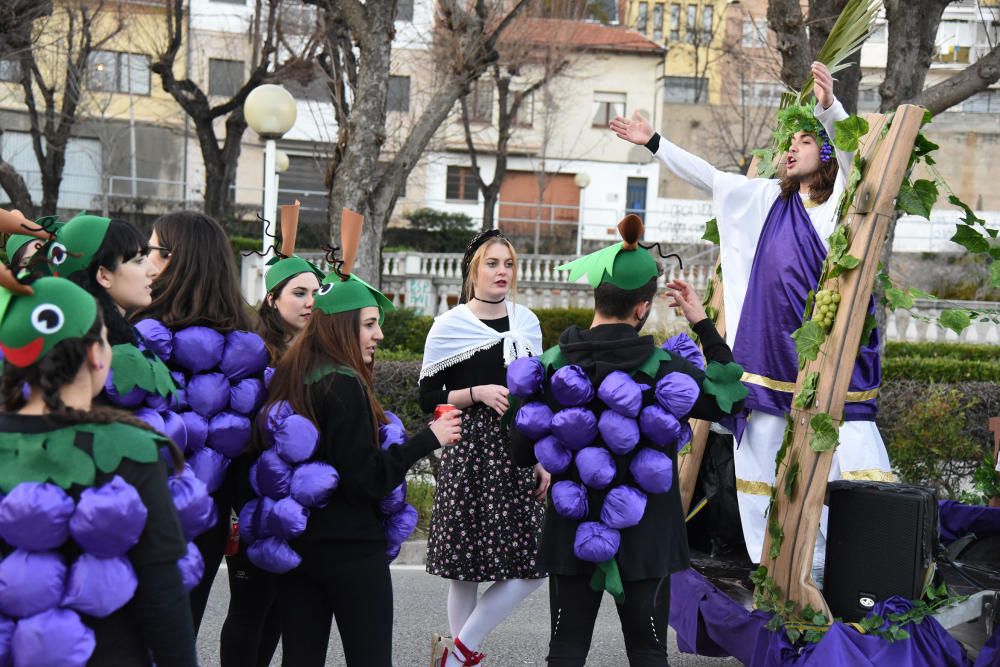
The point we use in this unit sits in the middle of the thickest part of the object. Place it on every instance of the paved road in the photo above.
(420, 610)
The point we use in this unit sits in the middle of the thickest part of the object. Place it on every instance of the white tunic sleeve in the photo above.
(828, 117)
(694, 170)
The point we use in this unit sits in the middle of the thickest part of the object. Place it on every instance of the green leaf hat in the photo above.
(17, 241)
(342, 291)
(626, 265)
(34, 318)
(798, 118)
(75, 244)
(285, 264)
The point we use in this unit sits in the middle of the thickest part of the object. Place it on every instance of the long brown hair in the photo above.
(200, 285)
(271, 326)
(327, 339)
(822, 186)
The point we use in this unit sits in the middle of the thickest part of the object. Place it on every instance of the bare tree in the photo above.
(220, 155)
(52, 74)
(357, 59)
(912, 29)
(528, 63)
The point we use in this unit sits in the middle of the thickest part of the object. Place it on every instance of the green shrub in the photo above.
(929, 444)
(556, 320)
(242, 244)
(404, 330)
(939, 369)
(432, 231)
(962, 351)
(420, 494)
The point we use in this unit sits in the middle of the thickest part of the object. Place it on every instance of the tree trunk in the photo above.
(953, 90)
(822, 16)
(491, 195)
(913, 28)
(15, 187)
(785, 18)
(52, 175)
(357, 175)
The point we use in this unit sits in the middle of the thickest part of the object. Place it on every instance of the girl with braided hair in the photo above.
(88, 533)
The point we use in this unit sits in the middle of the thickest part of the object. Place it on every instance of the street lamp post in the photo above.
(270, 111)
(582, 180)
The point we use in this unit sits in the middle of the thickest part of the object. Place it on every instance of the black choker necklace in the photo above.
(502, 299)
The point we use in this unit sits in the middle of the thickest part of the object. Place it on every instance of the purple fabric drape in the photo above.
(787, 264)
(709, 623)
(958, 520)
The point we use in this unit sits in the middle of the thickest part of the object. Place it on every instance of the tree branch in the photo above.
(973, 79)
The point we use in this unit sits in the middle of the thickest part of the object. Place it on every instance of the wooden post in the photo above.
(995, 428)
(870, 215)
(690, 463)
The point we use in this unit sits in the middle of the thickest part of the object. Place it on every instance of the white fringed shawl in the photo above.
(459, 334)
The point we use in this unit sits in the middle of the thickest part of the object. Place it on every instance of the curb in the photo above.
(412, 552)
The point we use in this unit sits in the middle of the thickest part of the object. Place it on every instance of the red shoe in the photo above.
(469, 657)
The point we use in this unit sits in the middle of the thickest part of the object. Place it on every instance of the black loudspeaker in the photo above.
(880, 542)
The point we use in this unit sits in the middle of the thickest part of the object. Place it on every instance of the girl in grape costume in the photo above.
(605, 412)
(108, 258)
(487, 511)
(251, 631)
(336, 549)
(197, 324)
(89, 537)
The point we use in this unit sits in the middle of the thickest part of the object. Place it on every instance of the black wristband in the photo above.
(653, 144)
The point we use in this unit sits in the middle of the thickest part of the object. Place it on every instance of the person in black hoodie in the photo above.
(607, 415)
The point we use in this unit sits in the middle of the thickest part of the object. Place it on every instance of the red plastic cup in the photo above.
(442, 409)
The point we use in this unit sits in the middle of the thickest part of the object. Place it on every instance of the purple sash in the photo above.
(786, 266)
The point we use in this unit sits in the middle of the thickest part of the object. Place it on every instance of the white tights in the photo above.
(472, 619)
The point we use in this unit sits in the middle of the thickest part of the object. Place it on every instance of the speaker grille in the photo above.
(880, 543)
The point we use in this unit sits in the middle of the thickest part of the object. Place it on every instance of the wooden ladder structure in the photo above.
(868, 220)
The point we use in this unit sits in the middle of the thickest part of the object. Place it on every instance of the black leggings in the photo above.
(354, 587)
(250, 633)
(211, 544)
(574, 606)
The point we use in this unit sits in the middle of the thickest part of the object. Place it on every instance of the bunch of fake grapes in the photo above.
(826, 308)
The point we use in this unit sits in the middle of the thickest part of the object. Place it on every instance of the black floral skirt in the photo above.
(485, 523)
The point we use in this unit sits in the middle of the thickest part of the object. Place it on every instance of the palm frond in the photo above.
(854, 25)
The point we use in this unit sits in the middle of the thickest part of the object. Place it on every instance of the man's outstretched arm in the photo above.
(687, 166)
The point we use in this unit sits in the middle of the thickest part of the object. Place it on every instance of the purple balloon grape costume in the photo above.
(68, 519)
(290, 479)
(606, 417)
(140, 382)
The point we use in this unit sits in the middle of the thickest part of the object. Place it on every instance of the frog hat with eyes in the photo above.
(33, 318)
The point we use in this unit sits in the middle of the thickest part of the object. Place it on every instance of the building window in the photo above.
(707, 14)
(225, 77)
(480, 102)
(606, 107)
(10, 70)
(525, 115)
(868, 98)
(658, 23)
(460, 184)
(404, 10)
(764, 93)
(987, 101)
(683, 89)
(642, 15)
(399, 93)
(675, 22)
(114, 72)
(692, 24)
(754, 33)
